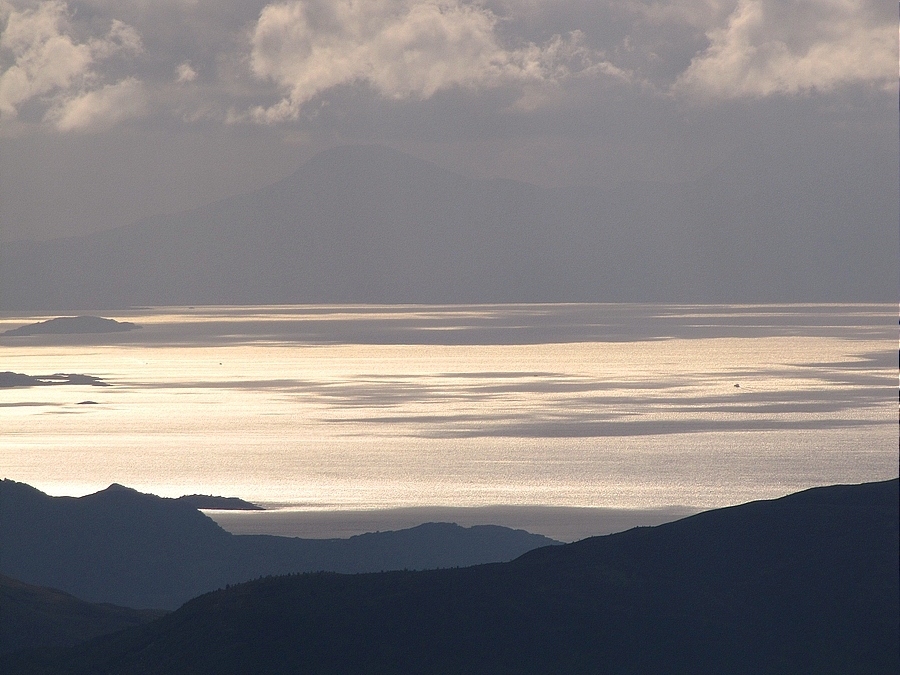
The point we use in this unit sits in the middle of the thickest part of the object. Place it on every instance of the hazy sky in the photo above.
(111, 110)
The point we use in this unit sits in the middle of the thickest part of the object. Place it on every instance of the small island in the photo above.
(72, 325)
(213, 503)
(11, 379)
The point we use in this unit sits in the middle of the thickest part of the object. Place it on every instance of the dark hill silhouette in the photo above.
(34, 617)
(140, 550)
(367, 224)
(211, 502)
(803, 584)
(72, 325)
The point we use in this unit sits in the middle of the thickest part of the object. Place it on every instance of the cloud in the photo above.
(552, 61)
(44, 58)
(41, 62)
(399, 48)
(772, 47)
(184, 73)
(101, 108)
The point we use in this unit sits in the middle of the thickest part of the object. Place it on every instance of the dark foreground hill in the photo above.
(140, 550)
(803, 584)
(367, 224)
(35, 617)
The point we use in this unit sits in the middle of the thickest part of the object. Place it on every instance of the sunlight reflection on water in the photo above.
(341, 407)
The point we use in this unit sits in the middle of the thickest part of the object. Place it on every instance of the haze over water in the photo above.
(366, 407)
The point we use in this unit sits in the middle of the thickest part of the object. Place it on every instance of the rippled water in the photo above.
(337, 407)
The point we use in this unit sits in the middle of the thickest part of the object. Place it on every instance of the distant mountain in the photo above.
(34, 617)
(72, 325)
(806, 584)
(140, 550)
(367, 224)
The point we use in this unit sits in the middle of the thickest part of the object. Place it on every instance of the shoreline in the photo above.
(565, 524)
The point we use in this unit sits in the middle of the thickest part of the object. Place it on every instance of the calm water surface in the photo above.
(367, 407)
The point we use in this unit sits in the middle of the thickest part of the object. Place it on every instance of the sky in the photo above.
(116, 110)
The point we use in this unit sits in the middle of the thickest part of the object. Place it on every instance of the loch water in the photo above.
(336, 407)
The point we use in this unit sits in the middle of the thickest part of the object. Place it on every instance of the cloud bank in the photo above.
(400, 48)
(89, 64)
(50, 68)
(774, 47)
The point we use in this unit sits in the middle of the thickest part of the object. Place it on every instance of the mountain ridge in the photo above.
(802, 584)
(369, 224)
(39, 618)
(138, 550)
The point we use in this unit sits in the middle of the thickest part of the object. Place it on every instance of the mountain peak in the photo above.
(367, 223)
(118, 487)
(348, 164)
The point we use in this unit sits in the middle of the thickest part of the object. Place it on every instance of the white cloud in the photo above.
(400, 48)
(100, 108)
(775, 47)
(44, 58)
(41, 61)
(121, 37)
(185, 73)
(542, 54)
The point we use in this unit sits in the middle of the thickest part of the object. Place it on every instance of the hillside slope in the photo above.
(803, 584)
(35, 617)
(368, 224)
(140, 550)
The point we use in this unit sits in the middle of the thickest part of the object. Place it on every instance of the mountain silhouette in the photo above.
(72, 325)
(212, 502)
(803, 584)
(34, 617)
(125, 547)
(368, 224)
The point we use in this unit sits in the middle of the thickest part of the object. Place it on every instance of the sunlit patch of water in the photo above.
(340, 407)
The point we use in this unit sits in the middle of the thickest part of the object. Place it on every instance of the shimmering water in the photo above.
(339, 407)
